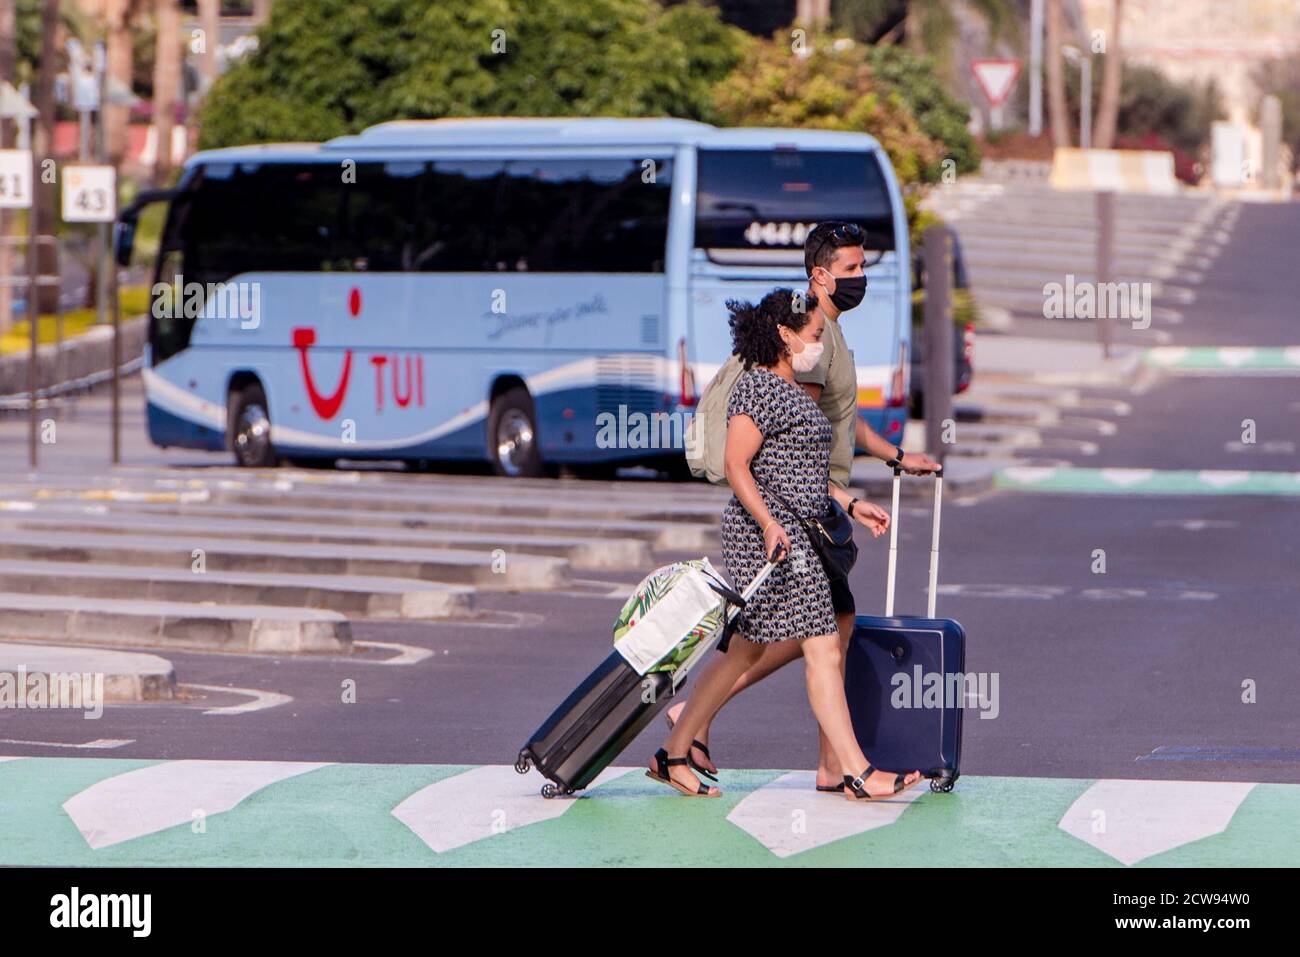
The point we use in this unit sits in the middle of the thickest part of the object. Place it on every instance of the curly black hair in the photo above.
(754, 336)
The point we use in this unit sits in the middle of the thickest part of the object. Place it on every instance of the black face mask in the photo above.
(849, 291)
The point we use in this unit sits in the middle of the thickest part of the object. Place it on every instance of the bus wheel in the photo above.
(250, 428)
(512, 435)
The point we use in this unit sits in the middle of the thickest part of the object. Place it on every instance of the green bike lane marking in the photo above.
(341, 815)
(1226, 360)
(1128, 481)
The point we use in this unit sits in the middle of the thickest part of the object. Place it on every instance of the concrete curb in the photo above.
(107, 621)
(619, 554)
(127, 676)
(354, 596)
(517, 572)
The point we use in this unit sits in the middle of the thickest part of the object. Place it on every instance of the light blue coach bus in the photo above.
(497, 289)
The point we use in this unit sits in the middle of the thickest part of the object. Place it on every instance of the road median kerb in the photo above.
(128, 676)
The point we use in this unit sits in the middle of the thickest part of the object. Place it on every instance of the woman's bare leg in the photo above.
(773, 656)
(711, 690)
(823, 661)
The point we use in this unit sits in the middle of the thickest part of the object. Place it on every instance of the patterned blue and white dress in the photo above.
(794, 459)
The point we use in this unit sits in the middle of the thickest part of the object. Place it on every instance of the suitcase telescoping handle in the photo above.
(934, 544)
(733, 609)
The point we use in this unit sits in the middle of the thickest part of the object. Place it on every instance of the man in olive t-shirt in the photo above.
(834, 261)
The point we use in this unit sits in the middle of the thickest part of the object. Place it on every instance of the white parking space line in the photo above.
(1133, 820)
(482, 802)
(164, 795)
(402, 654)
(262, 700)
(97, 744)
(789, 816)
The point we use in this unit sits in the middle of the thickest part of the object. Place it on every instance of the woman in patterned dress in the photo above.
(777, 436)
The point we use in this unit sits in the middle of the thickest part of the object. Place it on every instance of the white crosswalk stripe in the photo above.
(151, 799)
(482, 802)
(1133, 820)
(789, 816)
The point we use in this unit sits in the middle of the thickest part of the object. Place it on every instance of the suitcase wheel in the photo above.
(522, 764)
(943, 785)
(549, 790)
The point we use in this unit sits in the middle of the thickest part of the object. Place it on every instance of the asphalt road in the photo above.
(1096, 671)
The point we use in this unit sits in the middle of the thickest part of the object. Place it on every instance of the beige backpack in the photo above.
(706, 433)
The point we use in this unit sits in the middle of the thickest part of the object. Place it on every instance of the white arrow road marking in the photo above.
(1167, 355)
(789, 816)
(483, 801)
(261, 699)
(1222, 479)
(160, 796)
(97, 744)
(1236, 355)
(404, 654)
(1028, 473)
(1138, 819)
(1292, 355)
(1126, 477)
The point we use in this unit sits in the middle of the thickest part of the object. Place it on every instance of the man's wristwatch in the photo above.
(897, 460)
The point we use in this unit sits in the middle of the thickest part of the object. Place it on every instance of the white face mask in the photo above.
(806, 360)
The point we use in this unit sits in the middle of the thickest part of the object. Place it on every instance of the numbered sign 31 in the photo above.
(89, 194)
(15, 179)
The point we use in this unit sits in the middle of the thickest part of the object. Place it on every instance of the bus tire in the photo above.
(250, 428)
(512, 441)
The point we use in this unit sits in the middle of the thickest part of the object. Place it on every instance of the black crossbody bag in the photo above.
(831, 535)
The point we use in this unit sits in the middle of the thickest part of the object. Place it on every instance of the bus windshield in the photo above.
(758, 205)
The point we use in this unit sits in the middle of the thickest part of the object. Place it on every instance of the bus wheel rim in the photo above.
(514, 441)
(253, 436)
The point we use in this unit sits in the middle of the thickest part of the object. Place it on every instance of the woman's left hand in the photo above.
(872, 516)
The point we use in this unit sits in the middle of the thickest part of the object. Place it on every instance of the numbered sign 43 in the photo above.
(89, 194)
(15, 179)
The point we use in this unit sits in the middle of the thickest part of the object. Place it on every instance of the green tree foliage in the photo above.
(842, 85)
(1152, 106)
(1282, 79)
(939, 114)
(329, 67)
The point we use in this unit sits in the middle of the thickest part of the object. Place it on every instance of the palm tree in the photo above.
(117, 29)
(166, 81)
(1108, 108)
(8, 74)
(1056, 77)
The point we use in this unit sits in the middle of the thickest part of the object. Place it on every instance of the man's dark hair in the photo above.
(820, 244)
(754, 335)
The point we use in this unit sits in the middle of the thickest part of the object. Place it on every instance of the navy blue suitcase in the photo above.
(891, 664)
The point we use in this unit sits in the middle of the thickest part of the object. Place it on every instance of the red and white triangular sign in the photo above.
(997, 78)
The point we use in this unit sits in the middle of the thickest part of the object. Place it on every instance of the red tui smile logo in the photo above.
(304, 337)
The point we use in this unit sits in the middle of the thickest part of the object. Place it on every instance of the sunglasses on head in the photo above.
(843, 235)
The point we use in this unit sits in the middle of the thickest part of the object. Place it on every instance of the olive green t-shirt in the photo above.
(837, 374)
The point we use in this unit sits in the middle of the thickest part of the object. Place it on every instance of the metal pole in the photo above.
(33, 306)
(1036, 68)
(107, 291)
(1105, 248)
(59, 363)
(1270, 125)
(938, 337)
(1085, 101)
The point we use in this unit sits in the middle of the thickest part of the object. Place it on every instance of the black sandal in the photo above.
(665, 762)
(857, 785)
(689, 757)
(832, 788)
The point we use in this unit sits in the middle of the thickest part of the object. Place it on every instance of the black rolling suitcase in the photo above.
(886, 657)
(611, 707)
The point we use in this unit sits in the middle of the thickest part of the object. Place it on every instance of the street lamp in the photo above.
(1074, 55)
